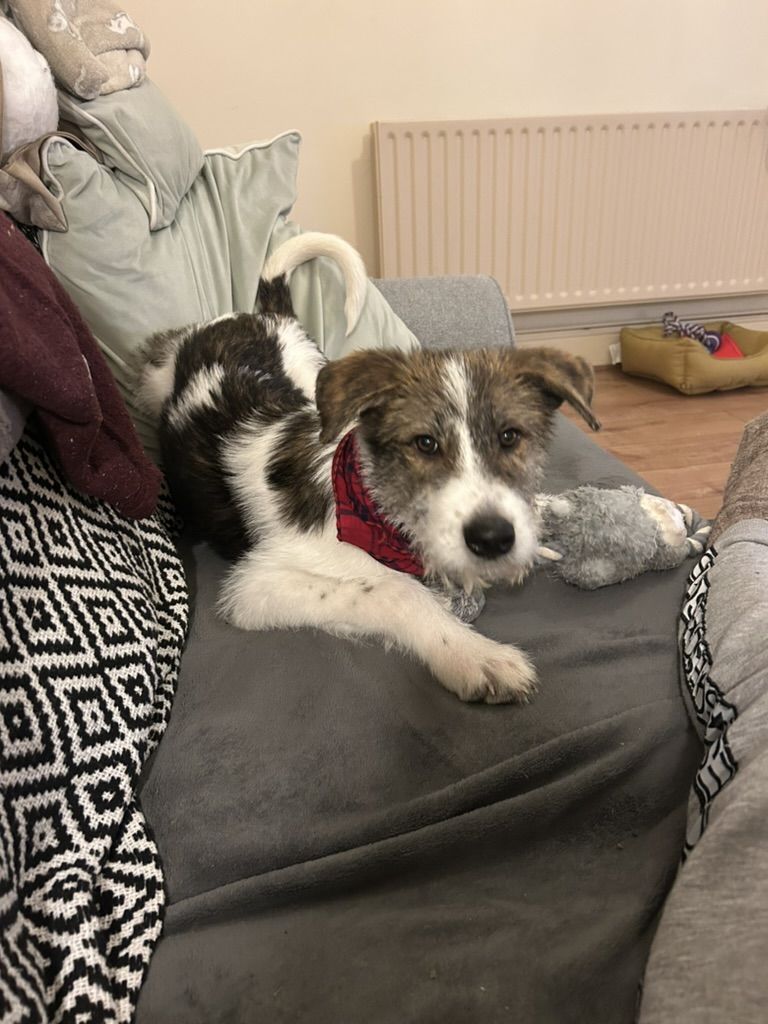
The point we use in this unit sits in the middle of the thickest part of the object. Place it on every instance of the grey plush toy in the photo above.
(595, 536)
(465, 605)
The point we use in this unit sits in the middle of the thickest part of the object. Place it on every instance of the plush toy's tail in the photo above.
(273, 294)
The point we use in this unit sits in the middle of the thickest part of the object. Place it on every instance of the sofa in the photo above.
(341, 839)
(288, 826)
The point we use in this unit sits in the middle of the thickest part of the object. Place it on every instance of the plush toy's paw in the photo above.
(668, 516)
(547, 553)
(698, 529)
(679, 524)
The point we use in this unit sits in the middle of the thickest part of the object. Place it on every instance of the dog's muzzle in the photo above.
(489, 536)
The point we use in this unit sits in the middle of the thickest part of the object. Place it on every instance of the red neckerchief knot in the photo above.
(359, 522)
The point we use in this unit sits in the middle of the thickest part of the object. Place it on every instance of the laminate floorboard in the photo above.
(682, 445)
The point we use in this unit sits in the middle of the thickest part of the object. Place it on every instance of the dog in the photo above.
(336, 487)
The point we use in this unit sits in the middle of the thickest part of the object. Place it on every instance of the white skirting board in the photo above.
(594, 343)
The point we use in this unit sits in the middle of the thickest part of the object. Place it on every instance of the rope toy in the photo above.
(673, 326)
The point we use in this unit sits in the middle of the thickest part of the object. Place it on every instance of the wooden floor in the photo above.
(682, 445)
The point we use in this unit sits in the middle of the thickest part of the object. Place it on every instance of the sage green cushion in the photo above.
(686, 365)
(161, 235)
(159, 169)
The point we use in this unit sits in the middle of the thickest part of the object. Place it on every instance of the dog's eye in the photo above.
(426, 444)
(509, 438)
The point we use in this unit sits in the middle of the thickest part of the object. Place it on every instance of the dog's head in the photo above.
(453, 443)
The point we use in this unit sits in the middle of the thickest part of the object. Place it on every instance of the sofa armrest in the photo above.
(444, 311)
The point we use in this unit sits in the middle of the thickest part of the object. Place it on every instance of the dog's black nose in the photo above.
(489, 536)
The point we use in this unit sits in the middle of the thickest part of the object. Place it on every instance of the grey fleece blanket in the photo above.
(344, 841)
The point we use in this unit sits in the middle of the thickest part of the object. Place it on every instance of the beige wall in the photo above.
(240, 70)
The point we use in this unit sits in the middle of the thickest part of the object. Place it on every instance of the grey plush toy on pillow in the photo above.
(595, 536)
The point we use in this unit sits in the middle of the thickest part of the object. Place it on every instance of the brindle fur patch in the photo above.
(294, 471)
(254, 389)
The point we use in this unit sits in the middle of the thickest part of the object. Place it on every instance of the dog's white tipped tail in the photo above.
(309, 246)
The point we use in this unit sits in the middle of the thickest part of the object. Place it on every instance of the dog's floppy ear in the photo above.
(561, 377)
(347, 387)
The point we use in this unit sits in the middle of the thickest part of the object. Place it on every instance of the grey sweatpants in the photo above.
(709, 960)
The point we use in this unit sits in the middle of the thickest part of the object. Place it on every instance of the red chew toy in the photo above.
(728, 349)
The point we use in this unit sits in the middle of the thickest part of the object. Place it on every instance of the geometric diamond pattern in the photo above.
(93, 615)
(714, 712)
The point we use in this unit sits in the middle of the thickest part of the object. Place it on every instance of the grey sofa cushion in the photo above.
(448, 311)
(343, 840)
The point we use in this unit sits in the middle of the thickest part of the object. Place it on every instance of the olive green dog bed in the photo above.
(686, 365)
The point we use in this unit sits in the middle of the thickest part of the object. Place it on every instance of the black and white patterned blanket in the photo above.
(93, 614)
(714, 712)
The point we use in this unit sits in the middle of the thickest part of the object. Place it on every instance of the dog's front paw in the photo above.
(483, 670)
(509, 676)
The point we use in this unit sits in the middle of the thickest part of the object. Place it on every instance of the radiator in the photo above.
(582, 211)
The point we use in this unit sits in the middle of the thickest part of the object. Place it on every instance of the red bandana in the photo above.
(359, 522)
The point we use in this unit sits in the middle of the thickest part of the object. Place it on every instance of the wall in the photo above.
(240, 71)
